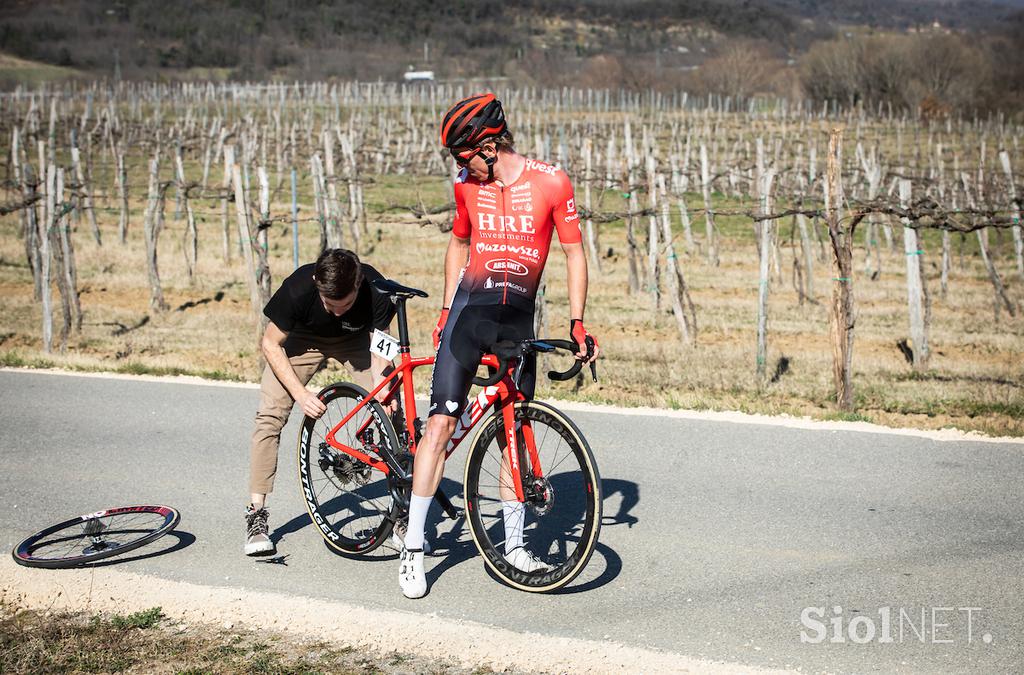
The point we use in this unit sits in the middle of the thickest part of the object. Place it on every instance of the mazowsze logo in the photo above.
(570, 204)
(525, 251)
(506, 265)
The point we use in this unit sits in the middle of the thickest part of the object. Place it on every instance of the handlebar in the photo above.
(505, 352)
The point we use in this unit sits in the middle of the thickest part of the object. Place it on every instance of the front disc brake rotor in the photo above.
(540, 496)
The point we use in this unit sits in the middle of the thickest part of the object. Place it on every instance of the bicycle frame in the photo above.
(504, 394)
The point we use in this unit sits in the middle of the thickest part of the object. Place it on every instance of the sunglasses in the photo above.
(463, 157)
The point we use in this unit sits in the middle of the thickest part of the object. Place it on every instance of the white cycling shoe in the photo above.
(411, 575)
(524, 561)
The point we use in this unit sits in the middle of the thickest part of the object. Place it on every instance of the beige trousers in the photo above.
(307, 356)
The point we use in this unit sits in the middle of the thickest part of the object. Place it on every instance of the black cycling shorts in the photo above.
(471, 331)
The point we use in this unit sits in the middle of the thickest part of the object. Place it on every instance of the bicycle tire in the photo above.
(95, 536)
(575, 491)
(353, 512)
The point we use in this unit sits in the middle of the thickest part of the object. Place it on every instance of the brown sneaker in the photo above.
(257, 540)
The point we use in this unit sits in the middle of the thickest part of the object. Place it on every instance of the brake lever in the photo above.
(593, 370)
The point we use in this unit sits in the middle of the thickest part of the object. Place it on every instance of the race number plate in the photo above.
(383, 345)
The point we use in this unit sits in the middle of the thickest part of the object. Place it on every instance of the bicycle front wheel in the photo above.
(349, 501)
(560, 519)
(95, 536)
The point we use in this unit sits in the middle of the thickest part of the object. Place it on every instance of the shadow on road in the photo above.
(630, 492)
(612, 568)
(455, 546)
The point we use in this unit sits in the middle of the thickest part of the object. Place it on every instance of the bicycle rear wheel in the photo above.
(349, 501)
(562, 509)
(95, 536)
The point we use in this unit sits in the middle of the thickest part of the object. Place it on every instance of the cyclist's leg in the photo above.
(449, 387)
(452, 377)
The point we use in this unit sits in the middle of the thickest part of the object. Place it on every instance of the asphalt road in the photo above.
(717, 536)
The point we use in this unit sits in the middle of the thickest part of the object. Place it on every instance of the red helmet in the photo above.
(472, 120)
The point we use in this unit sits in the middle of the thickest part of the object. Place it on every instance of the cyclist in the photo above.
(506, 209)
(324, 309)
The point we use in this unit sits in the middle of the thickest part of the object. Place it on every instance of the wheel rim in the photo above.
(559, 531)
(352, 515)
(96, 535)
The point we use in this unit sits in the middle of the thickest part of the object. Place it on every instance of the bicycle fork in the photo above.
(514, 476)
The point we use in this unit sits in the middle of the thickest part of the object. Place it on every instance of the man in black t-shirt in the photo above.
(323, 310)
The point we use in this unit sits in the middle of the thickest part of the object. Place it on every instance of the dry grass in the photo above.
(146, 642)
(976, 379)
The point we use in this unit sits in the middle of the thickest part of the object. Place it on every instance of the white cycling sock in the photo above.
(418, 507)
(515, 518)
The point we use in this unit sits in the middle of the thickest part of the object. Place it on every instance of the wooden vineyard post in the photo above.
(72, 303)
(151, 227)
(653, 269)
(841, 309)
(295, 218)
(806, 252)
(593, 246)
(83, 188)
(249, 245)
(1018, 239)
(679, 294)
(329, 187)
(46, 255)
(225, 194)
(122, 189)
(764, 234)
(633, 208)
(190, 242)
(26, 183)
(993, 273)
(915, 285)
(709, 214)
(262, 270)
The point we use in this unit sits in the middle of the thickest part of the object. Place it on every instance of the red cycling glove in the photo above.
(441, 321)
(579, 335)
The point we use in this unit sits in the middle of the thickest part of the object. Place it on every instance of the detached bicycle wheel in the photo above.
(561, 516)
(349, 501)
(95, 536)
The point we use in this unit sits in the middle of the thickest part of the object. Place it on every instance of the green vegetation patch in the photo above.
(147, 641)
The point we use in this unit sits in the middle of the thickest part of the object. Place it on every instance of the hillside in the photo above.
(543, 41)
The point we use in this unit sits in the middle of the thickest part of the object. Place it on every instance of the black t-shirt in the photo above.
(296, 307)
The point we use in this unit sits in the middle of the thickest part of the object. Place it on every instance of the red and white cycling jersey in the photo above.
(509, 228)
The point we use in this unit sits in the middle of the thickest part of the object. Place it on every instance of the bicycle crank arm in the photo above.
(446, 505)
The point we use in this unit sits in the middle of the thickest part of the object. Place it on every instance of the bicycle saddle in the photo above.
(397, 289)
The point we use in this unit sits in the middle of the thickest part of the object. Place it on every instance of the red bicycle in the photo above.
(355, 463)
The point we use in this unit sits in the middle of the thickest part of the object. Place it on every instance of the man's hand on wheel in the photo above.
(587, 348)
(382, 398)
(311, 405)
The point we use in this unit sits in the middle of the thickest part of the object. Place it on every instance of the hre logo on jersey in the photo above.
(489, 222)
(540, 166)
